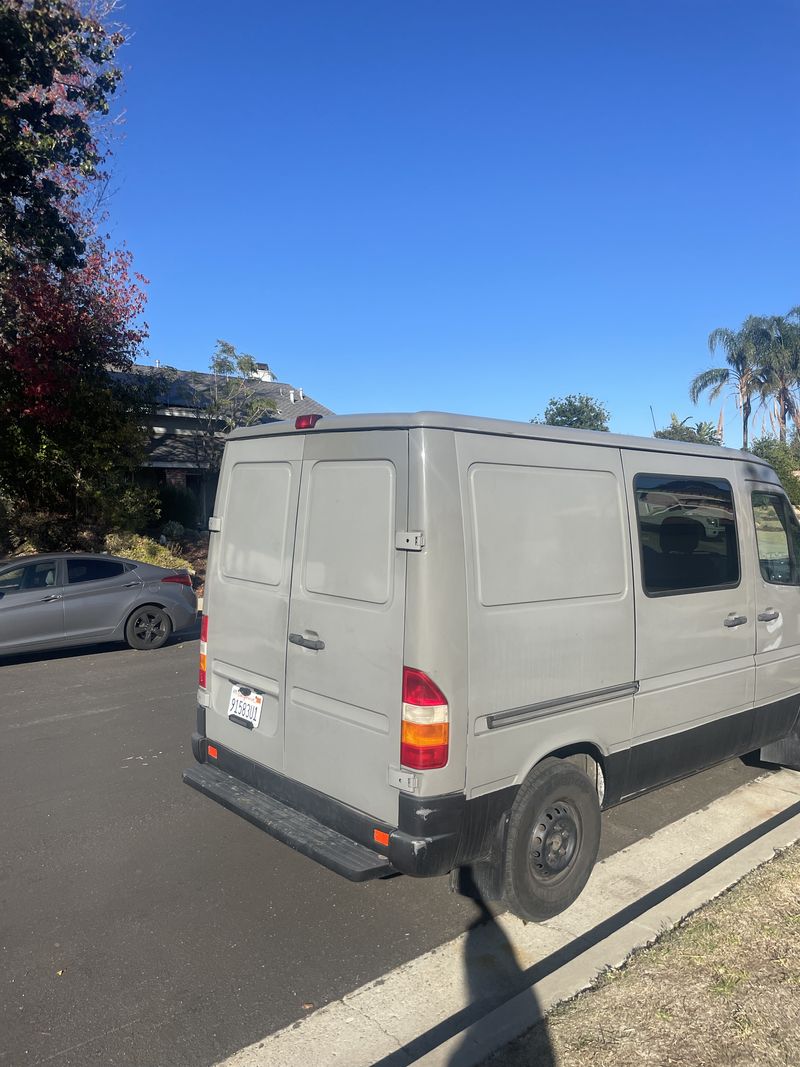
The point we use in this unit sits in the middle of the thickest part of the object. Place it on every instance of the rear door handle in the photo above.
(770, 615)
(131, 585)
(735, 620)
(307, 642)
(53, 596)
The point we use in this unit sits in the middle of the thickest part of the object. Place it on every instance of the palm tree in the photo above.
(741, 376)
(780, 368)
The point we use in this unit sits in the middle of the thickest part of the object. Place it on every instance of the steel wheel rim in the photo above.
(555, 842)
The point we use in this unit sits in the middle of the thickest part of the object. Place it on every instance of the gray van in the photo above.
(436, 643)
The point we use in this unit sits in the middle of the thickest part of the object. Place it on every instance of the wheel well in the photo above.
(587, 758)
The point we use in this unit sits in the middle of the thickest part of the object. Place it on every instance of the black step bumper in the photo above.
(301, 832)
(433, 835)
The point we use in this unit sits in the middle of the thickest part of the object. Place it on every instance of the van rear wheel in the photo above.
(552, 841)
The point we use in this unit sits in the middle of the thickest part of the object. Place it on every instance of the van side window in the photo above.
(687, 533)
(778, 538)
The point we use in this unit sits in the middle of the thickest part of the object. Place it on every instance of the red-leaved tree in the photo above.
(71, 422)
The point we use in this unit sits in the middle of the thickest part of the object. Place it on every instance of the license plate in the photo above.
(245, 706)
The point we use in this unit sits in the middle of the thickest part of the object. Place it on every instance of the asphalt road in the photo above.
(141, 924)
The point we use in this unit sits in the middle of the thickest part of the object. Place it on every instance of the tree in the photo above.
(780, 366)
(576, 410)
(702, 433)
(785, 458)
(227, 398)
(71, 435)
(57, 75)
(743, 349)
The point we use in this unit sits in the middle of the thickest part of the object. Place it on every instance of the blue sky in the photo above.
(458, 205)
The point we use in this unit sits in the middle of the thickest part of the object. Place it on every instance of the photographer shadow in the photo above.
(494, 976)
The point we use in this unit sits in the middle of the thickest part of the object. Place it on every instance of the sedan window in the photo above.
(92, 570)
(10, 581)
(33, 576)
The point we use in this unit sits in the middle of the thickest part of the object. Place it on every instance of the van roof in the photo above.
(502, 427)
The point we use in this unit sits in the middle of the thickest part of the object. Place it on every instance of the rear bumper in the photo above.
(183, 612)
(433, 835)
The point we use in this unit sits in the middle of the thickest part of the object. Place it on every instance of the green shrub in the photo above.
(144, 550)
(178, 505)
(173, 531)
(132, 508)
(785, 458)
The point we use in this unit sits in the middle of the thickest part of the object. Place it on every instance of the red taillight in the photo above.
(178, 579)
(203, 651)
(425, 729)
(306, 422)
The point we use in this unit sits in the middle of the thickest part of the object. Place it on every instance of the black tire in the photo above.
(552, 840)
(148, 627)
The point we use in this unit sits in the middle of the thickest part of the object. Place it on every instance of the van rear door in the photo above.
(247, 591)
(346, 619)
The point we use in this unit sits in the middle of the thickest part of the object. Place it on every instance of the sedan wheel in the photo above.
(148, 627)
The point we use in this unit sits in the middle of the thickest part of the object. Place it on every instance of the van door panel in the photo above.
(348, 592)
(777, 546)
(247, 595)
(695, 672)
(550, 600)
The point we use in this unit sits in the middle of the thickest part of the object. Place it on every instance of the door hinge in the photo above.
(215, 523)
(410, 540)
(405, 780)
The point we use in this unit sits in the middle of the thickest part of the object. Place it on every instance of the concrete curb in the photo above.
(458, 1004)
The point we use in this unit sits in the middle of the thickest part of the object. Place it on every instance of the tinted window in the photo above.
(687, 532)
(92, 570)
(778, 538)
(32, 576)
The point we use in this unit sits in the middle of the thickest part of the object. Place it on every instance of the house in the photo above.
(175, 456)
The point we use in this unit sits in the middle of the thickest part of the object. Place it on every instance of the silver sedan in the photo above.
(59, 599)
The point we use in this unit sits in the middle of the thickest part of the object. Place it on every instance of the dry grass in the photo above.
(720, 990)
(145, 550)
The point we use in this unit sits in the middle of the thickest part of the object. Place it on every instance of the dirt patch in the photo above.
(720, 990)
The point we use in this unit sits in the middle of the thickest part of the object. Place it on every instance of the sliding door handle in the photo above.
(770, 615)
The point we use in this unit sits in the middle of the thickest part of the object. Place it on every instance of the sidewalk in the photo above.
(456, 1005)
(720, 989)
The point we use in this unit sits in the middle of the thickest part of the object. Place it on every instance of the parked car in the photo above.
(59, 599)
